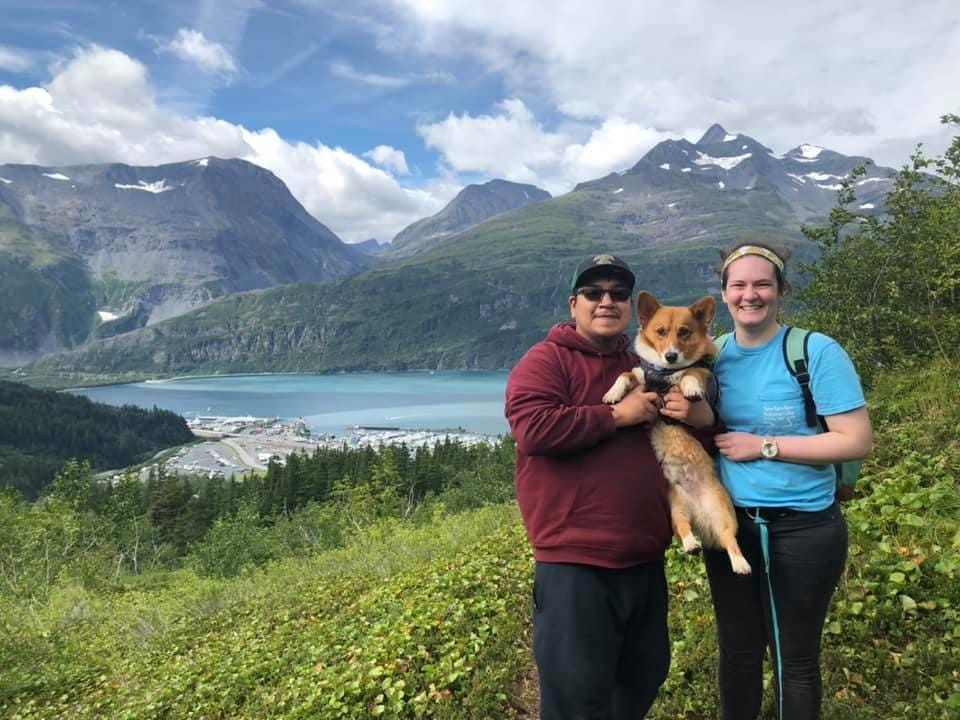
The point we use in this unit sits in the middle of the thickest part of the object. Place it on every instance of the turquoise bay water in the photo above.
(331, 403)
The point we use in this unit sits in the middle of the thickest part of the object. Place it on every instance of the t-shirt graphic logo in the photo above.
(780, 418)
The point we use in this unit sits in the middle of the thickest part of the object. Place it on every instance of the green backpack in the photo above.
(797, 361)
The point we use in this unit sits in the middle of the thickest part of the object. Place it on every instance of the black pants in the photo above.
(600, 640)
(807, 554)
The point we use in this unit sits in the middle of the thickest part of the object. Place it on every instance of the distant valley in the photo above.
(471, 287)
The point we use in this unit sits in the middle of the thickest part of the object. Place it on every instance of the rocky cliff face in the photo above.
(158, 241)
(472, 206)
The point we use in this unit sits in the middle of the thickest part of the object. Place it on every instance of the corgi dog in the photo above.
(674, 346)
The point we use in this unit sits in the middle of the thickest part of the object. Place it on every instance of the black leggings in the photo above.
(808, 551)
(600, 640)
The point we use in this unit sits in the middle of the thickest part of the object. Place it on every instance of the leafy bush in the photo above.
(888, 287)
(234, 543)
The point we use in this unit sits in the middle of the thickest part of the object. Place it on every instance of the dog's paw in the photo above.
(616, 392)
(612, 397)
(691, 388)
(691, 546)
(740, 565)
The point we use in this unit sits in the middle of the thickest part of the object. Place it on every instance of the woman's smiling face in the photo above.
(751, 294)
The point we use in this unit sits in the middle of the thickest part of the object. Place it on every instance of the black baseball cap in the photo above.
(603, 265)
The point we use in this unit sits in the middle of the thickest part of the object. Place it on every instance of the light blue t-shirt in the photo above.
(759, 395)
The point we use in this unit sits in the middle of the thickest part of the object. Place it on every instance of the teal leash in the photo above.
(765, 547)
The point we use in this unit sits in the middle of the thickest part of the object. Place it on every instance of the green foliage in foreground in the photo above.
(424, 622)
(432, 619)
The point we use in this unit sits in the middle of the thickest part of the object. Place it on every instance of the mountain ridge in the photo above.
(481, 297)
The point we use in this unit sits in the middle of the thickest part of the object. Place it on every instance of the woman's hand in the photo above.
(739, 446)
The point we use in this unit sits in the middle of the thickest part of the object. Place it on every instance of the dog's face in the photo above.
(672, 336)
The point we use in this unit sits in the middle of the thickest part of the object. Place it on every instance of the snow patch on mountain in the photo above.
(154, 187)
(727, 163)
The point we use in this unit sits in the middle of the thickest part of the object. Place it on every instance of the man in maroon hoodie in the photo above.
(594, 503)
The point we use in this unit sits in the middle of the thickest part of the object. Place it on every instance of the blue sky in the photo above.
(376, 113)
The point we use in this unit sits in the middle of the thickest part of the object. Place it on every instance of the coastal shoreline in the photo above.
(237, 445)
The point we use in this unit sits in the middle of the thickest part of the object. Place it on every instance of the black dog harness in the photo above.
(657, 378)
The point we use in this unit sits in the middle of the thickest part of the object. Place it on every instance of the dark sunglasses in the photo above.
(593, 293)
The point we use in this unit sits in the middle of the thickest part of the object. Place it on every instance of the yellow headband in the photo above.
(752, 250)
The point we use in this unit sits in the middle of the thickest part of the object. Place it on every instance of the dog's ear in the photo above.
(647, 305)
(704, 310)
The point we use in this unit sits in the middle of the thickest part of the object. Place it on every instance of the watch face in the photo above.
(769, 449)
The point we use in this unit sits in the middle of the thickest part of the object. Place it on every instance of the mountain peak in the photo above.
(472, 205)
(805, 151)
(715, 134)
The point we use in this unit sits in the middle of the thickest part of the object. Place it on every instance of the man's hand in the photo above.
(636, 407)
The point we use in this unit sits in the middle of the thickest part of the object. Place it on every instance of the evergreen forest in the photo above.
(40, 430)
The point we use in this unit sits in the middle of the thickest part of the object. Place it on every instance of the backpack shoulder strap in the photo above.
(797, 359)
(721, 340)
(718, 342)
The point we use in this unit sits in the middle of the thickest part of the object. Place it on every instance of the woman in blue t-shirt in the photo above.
(780, 475)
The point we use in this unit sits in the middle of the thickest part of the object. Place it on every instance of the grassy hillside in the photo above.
(431, 620)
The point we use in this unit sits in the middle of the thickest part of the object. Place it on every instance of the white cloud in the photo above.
(346, 71)
(782, 74)
(514, 145)
(15, 60)
(193, 47)
(511, 144)
(355, 199)
(389, 158)
(100, 107)
(617, 144)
